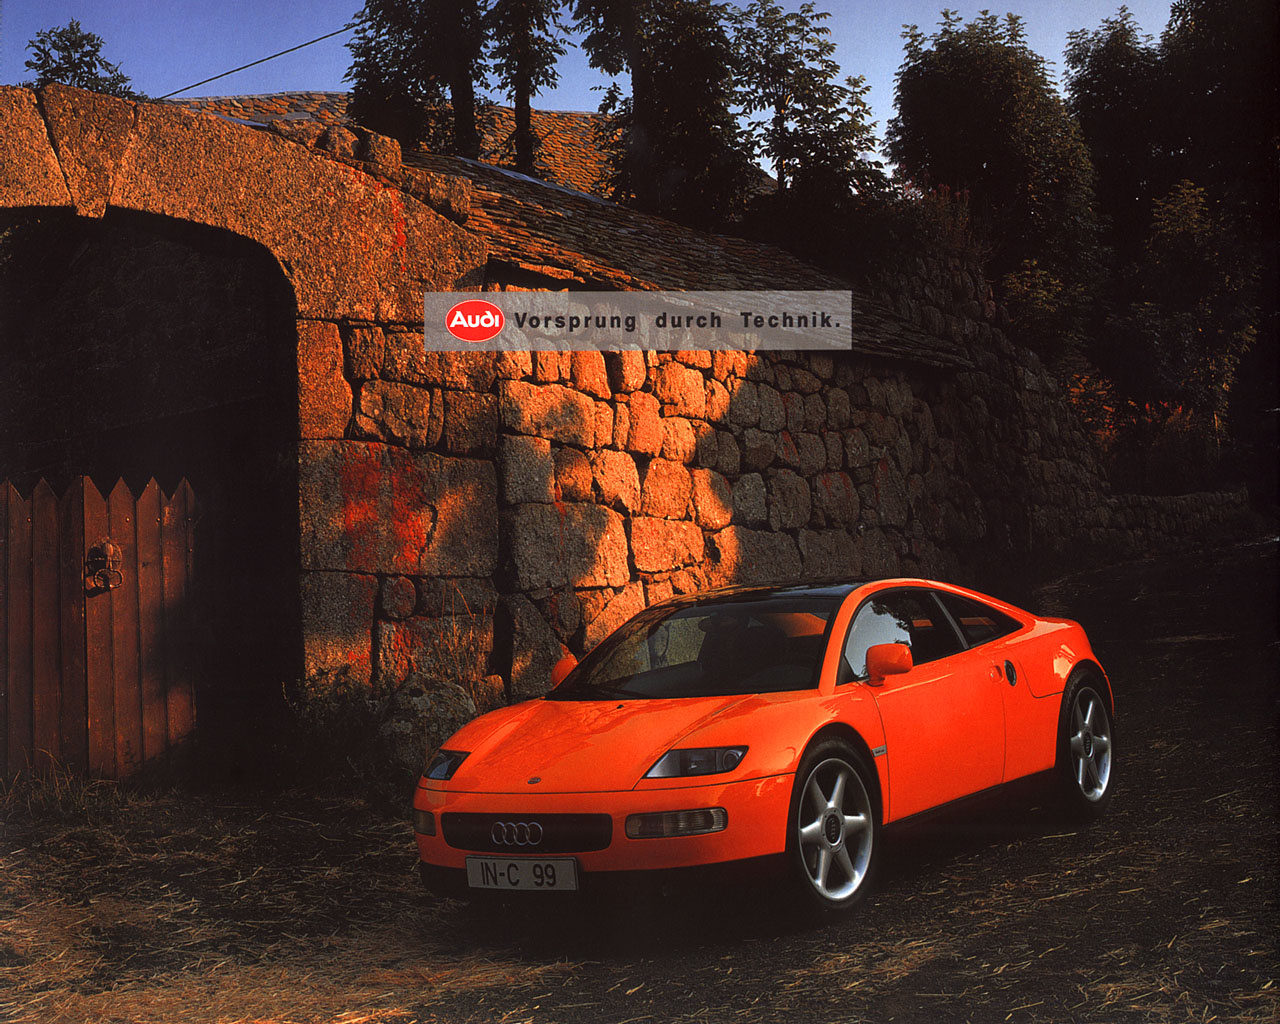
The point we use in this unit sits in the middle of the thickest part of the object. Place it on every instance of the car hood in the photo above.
(572, 746)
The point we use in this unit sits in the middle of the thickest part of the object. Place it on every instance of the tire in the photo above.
(833, 828)
(1086, 756)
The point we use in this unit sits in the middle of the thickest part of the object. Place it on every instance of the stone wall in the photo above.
(462, 519)
(468, 517)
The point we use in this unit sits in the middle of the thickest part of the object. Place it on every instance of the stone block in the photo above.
(337, 624)
(579, 545)
(789, 502)
(89, 132)
(573, 475)
(402, 414)
(550, 411)
(835, 499)
(679, 443)
(324, 396)
(890, 495)
(681, 388)
(587, 371)
(811, 454)
(877, 555)
(758, 449)
(604, 425)
(744, 404)
(748, 499)
(712, 499)
(616, 479)
(645, 433)
(740, 555)
(728, 454)
(793, 405)
(829, 553)
(526, 470)
(626, 370)
(665, 489)
(404, 359)
(365, 347)
(773, 414)
(450, 649)
(838, 408)
(470, 421)
(660, 545)
(398, 598)
(718, 402)
(373, 508)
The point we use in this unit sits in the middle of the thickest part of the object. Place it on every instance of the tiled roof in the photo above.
(554, 230)
(325, 107)
(568, 155)
(559, 235)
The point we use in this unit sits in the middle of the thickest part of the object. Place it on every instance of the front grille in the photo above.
(560, 833)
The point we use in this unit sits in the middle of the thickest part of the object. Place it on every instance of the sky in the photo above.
(167, 45)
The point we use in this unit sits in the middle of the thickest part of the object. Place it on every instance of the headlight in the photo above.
(696, 761)
(444, 764)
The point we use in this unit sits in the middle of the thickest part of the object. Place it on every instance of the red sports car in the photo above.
(788, 722)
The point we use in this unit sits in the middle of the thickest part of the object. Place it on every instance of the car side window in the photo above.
(977, 621)
(908, 617)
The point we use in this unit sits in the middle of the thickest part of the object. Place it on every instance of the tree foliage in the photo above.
(409, 56)
(1112, 76)
(1184, 137)
(526, 43)
(674, 145)
(72, 56)
(977, 111)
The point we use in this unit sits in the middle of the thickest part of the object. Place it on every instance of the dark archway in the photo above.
(138, 346)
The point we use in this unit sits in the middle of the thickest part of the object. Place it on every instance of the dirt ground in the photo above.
(190, 905)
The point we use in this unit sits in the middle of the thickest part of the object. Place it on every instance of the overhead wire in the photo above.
(310, 42)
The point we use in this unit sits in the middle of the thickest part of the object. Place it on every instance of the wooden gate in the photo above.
(96, 653)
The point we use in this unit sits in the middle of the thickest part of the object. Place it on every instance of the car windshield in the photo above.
(755, 643)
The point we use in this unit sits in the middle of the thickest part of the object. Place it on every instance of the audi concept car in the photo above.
(787, 724)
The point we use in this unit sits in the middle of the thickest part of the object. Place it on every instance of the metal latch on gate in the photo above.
(102, 567)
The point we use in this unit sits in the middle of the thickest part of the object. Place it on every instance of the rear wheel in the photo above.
(1085, 750)
(832, 831)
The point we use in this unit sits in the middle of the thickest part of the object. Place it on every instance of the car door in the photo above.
(944, 719)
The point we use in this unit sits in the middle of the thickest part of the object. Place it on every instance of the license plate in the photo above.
(556, 874)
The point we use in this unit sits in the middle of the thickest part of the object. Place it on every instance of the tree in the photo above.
(1190, 315)
(674, 145)
(408, 55)
(1111, 79)
(72, 56)
(976, 111)
(815, 127)
(525, 48)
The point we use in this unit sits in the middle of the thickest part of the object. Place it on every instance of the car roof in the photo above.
(832, 589)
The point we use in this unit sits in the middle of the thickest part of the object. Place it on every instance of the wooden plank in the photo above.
(176, 536)
(19, 631)
(124, 632)
(75, 707)
(100, 687)
(151, 621)
(46, 631)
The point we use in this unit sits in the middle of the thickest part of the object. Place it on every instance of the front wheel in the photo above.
(1085, 749)
(832, 830)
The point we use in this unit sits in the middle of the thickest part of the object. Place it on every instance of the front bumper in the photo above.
(756, 808)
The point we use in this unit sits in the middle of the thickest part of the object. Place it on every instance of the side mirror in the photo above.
(561, 669)
(887, 660)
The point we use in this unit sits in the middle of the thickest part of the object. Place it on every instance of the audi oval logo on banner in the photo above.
(515, 833)
(474, 320)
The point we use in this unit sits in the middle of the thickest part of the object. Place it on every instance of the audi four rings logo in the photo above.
(516, 833)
